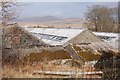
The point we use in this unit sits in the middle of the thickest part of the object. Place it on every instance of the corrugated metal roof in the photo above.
(55, 36)
(108, 37)
(106, 34)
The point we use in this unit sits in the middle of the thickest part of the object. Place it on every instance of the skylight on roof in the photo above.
(50, 37)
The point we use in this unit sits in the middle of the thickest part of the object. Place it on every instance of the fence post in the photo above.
(1, 53)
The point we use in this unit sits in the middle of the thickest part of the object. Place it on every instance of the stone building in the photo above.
(15, 40)
(48, 42)
(64, 36)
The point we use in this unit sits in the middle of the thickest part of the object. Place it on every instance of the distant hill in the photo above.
(39, 19)
(61, 23)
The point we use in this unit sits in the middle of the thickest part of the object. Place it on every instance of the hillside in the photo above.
(61, 23)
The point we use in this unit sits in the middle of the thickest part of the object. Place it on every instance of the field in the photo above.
(28, 70)
(69, 23)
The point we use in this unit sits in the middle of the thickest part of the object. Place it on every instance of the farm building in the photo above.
(110, 38)
(16, 40)
(17, 37)
(64, 43)
(64, 36)
(56, 44)
(81, 44)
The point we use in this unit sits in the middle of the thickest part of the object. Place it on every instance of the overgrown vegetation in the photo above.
(87, 53)
(45, 55)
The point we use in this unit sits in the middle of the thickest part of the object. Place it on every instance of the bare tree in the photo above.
(102, 17)
(7, 13)
(7, 16)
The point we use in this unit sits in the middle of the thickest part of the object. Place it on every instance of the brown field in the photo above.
(27, 71)
(73, 23)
